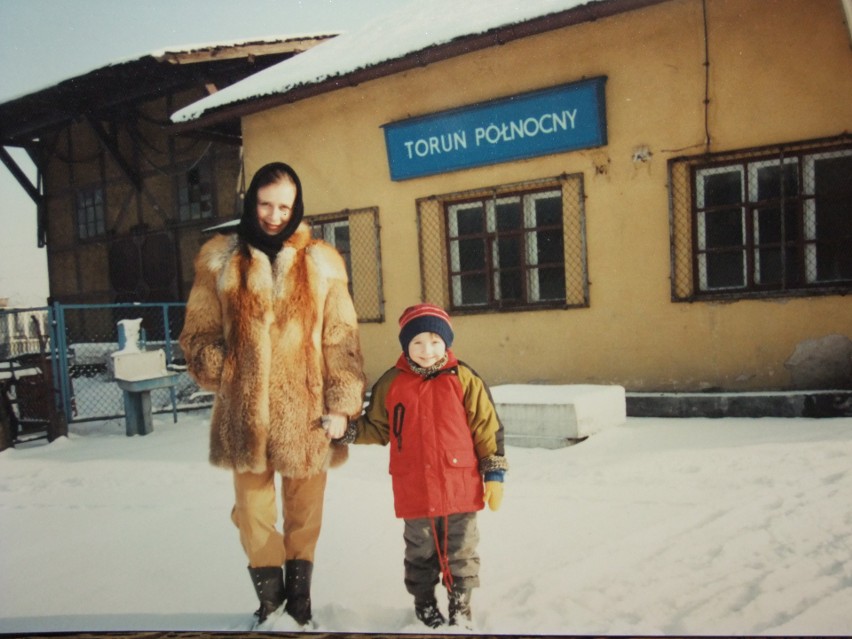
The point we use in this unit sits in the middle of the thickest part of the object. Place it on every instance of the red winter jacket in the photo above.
(440, 428)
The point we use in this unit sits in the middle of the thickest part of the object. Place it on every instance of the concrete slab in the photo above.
(814, 403)
(554, 416)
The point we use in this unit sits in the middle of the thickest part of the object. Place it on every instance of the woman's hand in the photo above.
(335, 425)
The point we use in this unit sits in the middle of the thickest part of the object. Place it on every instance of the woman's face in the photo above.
(275, 205)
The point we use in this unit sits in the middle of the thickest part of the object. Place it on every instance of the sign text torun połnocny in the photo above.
(563, 118)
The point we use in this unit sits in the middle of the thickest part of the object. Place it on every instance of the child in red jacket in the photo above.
(446, 459)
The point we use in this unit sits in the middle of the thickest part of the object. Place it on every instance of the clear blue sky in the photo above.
(45, 41)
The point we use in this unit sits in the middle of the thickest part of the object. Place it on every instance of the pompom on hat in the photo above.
(424, 318)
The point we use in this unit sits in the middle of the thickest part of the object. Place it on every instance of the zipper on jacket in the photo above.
(398, 423)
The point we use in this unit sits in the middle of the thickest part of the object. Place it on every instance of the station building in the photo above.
(650, 193)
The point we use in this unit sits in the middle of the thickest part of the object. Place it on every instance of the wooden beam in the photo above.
(241, 50)
(20, 176)
(212, 135)
(41, 224)
(111, 145)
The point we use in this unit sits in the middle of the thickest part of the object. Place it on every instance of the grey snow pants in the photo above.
(422, 558)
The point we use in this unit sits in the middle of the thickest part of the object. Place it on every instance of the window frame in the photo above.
(436, 259)
(362, 259)
(184, 194)
(90, 213)
(528, 234)
(809, 207)
(780, 238)
(328, 226)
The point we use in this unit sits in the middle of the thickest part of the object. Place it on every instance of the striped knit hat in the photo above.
(424, 318)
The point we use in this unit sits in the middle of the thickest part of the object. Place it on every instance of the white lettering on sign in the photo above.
(526, 128)
(545, 124)
(553, 120)
(434, 144)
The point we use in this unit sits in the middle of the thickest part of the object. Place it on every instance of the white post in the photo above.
(130, 327)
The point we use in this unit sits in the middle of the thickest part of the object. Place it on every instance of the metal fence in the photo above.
(762, 222)
(77, 343)
(513, 246)
(355, 235)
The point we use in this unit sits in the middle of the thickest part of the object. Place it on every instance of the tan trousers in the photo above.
(255, 514)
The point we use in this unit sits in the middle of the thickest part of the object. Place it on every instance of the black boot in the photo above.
(269, 586)
(426, 609)
(460, 614)
(297, 589)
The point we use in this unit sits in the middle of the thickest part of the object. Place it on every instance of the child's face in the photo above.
(426, 349)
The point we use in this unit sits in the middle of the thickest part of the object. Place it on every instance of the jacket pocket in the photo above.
(462, 481)
(459, 459)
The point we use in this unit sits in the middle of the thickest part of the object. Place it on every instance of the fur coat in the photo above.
(278, 344)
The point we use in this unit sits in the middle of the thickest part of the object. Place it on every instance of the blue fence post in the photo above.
(59, 339)
(167, 345)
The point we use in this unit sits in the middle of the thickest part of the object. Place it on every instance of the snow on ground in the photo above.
(675, 527)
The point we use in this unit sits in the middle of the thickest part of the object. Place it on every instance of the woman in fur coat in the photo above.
(270, 328)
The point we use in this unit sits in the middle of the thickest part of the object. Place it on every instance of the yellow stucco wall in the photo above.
(780, 71)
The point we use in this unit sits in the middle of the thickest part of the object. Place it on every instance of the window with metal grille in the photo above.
(355, 235)
(336, 233)
(195, 193)
(767, 222)
(90, 213)
(515, 246)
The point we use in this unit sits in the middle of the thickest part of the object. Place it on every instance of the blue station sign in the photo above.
(554, 120)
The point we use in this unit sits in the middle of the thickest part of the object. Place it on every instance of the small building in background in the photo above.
(121, 200)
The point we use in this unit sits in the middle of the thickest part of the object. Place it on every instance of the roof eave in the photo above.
(244, 49)
(26, 118)
(578, 15)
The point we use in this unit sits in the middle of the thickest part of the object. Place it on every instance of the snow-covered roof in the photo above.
(172, 52)
(212, 50)
(143, 77)
(416, 26)
(239, 43)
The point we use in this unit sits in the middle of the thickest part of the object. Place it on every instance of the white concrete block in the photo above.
(558, 415)
(136, 365)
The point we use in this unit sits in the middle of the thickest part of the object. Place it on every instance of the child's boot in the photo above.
(460, 613)
(426, 609)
